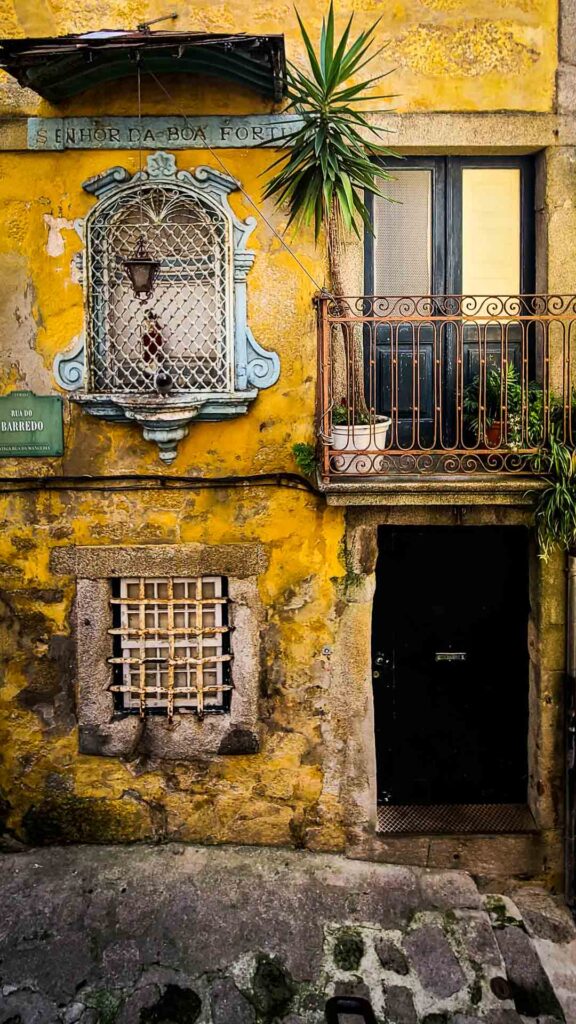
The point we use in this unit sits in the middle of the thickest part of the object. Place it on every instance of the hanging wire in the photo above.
(140, 144)
(243, 190)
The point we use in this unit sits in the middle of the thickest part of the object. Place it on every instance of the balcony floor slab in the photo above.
(434, 490)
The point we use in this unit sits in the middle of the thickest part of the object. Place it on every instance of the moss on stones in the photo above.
(107, 1004)
(348, 949)
(499, 915)
(72, 819)
(272, 989)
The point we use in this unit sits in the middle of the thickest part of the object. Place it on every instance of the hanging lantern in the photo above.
(142, 269)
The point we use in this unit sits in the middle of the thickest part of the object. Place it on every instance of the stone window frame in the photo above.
(107, 732)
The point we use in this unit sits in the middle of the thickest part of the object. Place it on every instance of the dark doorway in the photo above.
(450, 665)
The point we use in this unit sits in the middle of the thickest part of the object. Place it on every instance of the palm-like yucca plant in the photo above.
(322, 177)
(327, 168)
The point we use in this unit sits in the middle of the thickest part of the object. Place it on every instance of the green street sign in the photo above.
(30, 425)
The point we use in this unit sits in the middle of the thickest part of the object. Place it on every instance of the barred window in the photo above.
(181, 332)
(171, 645)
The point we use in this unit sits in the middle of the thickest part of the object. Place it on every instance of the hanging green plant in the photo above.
(522, 419)
(555, 511)
(305, 457)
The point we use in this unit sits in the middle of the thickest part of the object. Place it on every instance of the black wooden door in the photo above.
(450, 665)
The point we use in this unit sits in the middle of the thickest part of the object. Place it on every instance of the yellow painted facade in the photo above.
(449, 56)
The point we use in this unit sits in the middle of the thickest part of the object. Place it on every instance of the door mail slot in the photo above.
(450, 656)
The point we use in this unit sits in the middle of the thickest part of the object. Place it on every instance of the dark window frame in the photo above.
(447, 217)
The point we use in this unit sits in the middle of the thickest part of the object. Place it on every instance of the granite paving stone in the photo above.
(434, 960)
(477, 936)
(449, 890)
(400, 1007)
(391, 956)
(545, 917)
(228, 1004)
(531, 989)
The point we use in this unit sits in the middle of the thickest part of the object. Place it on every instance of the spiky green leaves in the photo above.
(555, 512)
(329, 163)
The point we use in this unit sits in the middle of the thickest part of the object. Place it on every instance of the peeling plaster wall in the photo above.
(282, 795)
(22, 364)
(477, 76)
(39, 234)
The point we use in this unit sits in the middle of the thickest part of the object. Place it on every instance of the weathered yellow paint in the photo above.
(257, 798)
(447, 54)
(246, 445)
(477, 56)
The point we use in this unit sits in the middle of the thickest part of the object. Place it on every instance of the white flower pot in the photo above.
(362, 438)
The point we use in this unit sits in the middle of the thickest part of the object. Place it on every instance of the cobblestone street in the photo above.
(178, 934)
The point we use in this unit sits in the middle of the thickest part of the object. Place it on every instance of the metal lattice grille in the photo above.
(182, 328)
(443, 384)
(171, 644)
(455, 818)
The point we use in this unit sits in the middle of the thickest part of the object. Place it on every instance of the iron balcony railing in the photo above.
(451, 384)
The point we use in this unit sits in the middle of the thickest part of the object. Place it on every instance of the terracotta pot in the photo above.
(495, 433)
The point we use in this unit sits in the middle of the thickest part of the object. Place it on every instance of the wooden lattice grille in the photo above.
(172, 644)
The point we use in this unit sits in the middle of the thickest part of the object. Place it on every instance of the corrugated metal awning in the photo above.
(60, 67)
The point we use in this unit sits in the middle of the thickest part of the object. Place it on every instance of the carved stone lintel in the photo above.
(165, 425)
(242, 264)
(69, 366)
(166, 438)
(161, 165)
(106, 182)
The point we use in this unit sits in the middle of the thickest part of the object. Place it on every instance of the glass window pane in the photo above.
(403, 235)
(491, 231)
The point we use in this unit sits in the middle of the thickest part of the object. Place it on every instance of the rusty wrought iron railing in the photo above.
(452, 384)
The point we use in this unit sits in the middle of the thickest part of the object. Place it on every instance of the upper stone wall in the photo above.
(443, 54)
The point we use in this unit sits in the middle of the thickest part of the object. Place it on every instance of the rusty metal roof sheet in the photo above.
(63, 66)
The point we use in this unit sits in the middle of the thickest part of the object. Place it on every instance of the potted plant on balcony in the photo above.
(491, 426)
(360, 433)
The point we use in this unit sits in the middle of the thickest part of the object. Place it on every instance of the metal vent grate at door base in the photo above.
(453, 819)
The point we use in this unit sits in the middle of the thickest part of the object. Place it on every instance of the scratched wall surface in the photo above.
(445, 55)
